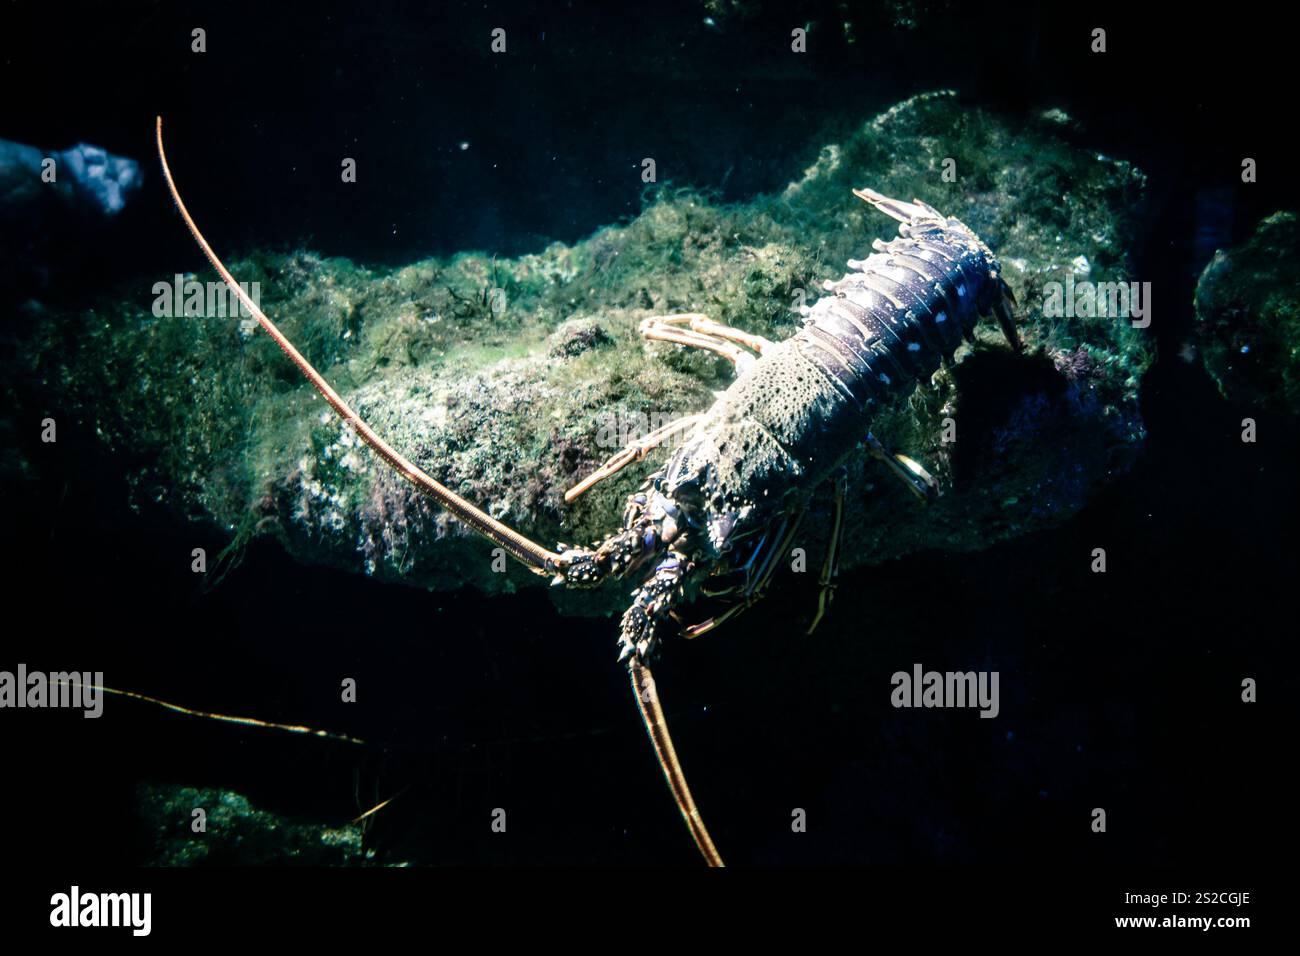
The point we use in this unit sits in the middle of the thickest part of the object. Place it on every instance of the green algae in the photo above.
(1248, 317)
(235, 832)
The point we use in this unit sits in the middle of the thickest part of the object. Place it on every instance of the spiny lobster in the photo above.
(729, 501)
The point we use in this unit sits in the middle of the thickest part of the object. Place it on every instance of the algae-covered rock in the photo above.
(1248, 317)
(508, 380)
(236, 832)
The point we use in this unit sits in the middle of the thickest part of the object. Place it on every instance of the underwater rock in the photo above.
(577, 336)
(85, 176)
(54, 207)
(237, 833)
(1248, 317)
(469, 366)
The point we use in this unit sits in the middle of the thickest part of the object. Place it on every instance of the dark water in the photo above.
(1119, 691)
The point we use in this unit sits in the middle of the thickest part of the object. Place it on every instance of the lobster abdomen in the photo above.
(888, 324)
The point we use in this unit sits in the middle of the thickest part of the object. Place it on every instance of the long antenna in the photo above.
(538, 558)
(656, 725)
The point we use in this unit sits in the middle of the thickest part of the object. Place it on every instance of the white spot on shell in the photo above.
(941, 317)
(961, 290)
(914, 346)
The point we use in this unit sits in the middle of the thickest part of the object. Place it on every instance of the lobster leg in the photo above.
(700, 332)
(919, 481)
(831, 566)
(701, 323)
(633, 452)
(703, 333)
(766, 556)
(896, 208)
(1005, 310)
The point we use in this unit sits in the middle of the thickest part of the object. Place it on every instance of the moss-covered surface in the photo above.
(507, 404)
(236, 833)
(1248, 317)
